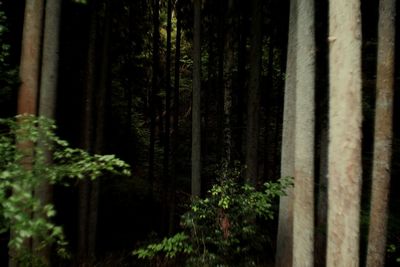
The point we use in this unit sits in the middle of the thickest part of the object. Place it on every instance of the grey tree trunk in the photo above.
(284, 250)
(29, 76)
(47, 101)
(303, 207)
(383, 135)
(344, 151)
(196, 112)
(253, 102)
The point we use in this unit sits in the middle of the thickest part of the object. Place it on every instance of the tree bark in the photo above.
(47, 101)
(154, 87)
(303, 207)
(383, 135)
(175, 125)
(196, 112)
(84, 228)
(284, 250)
(344, 152)
(29, 76)
(253, 101)
(228, 84)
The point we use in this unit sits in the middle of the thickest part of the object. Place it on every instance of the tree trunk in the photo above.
(84, 228)
(253, 101)
(29, 76)
(344, 152)
(284, 253)
(228, 84)
(383, 135)
(196, 112)
(303, 205)
(175, 125)
(47, 101)
(154, 87)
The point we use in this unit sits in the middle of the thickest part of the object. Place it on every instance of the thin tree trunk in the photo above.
(344, 151)
(87, 137)
(303, 207)
(253, 102)
(175, 126)
(98, 147)
(29, 76)
(383, 135)
(47, 101)
(154, 87)
(284, 250)
(228, 84)
(196, 112)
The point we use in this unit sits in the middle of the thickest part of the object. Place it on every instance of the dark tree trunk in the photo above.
(196, 107)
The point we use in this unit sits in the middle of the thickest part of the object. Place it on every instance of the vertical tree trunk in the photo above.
(154, 87)
(253, 102)
(29, 76)
(196, 112)
(228, 84)
(303, 207)
(87, 136)
(383, 135)
(47, 101)
(344, 152)
(175, 125)
(284, 253)
(99, 141)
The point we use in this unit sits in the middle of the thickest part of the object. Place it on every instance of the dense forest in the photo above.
(199, 133)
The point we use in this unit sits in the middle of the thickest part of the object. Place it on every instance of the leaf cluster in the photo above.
(31, 155)
(224, 228)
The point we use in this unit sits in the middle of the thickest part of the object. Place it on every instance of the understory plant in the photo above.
(31, 154)
(227, 228)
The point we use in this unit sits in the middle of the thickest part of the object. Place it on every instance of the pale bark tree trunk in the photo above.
(253, 102)
(29, 76)
(303, 205)
(196, 112)
(383, 135)
(344, 151)
(284, 250)
(47, 101)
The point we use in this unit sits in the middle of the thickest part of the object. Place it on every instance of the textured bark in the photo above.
(344, 152)
(253, 102)
(383, 135)
(284, 253)
(29, 76)
(47, 101)
(196, 112)
(303, 205)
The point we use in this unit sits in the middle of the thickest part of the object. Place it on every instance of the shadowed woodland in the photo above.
(199, 133)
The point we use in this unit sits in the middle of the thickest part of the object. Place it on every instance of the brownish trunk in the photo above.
(29, 76)
(383, 135)
(196, 108)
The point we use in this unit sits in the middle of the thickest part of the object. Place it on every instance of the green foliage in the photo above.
(224, 228)
(25, 145)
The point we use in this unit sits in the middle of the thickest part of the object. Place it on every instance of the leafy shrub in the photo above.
(25, 143)
(223, 229)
